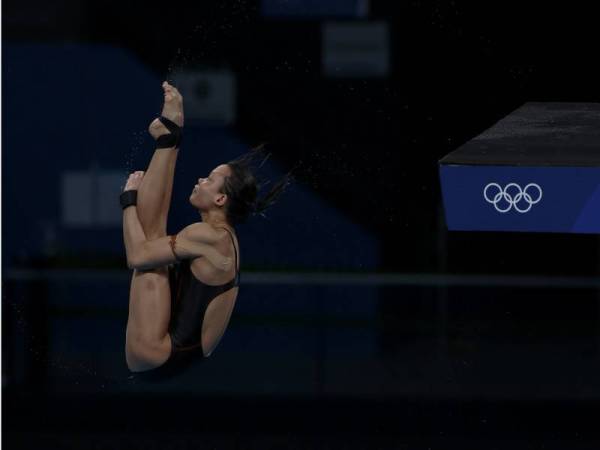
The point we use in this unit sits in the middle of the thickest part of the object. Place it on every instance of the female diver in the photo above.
(185, 285)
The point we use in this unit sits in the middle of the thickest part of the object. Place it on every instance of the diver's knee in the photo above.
(143, 353)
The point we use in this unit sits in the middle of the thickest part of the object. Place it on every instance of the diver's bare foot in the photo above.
(172, 110)
(173, 107)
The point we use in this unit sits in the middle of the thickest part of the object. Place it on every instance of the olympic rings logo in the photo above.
(512, 196)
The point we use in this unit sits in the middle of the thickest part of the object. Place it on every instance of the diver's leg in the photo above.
(147, 341)
(154, 192)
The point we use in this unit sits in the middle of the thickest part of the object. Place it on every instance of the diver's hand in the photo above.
(134, 181)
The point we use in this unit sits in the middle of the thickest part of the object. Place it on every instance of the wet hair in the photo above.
(242, 187)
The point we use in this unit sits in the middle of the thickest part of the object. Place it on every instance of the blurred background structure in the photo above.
(361, 322)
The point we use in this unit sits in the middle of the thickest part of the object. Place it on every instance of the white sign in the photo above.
(359, 49)
(90, 199)
(208, 95)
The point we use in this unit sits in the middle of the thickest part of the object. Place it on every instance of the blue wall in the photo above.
(68, 107)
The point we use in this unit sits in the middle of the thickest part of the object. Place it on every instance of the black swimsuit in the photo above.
(189, 300)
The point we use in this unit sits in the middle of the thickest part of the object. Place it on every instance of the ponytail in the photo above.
(242, 187)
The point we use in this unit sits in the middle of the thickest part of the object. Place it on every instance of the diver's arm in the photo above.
(193, 241)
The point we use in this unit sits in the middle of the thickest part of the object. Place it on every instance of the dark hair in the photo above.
(242, 187)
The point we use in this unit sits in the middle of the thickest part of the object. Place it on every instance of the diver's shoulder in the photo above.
(202, 232)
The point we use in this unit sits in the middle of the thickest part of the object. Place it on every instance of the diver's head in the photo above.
(232, 189)
(208, 194)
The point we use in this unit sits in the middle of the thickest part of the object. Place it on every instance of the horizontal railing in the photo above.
(331, 278)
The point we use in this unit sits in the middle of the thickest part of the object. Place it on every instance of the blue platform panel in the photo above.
(505, 198)
(536, 170)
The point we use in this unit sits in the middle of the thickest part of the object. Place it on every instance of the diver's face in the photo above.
(208, 192)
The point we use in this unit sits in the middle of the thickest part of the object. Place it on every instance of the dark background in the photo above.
(483, 340)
